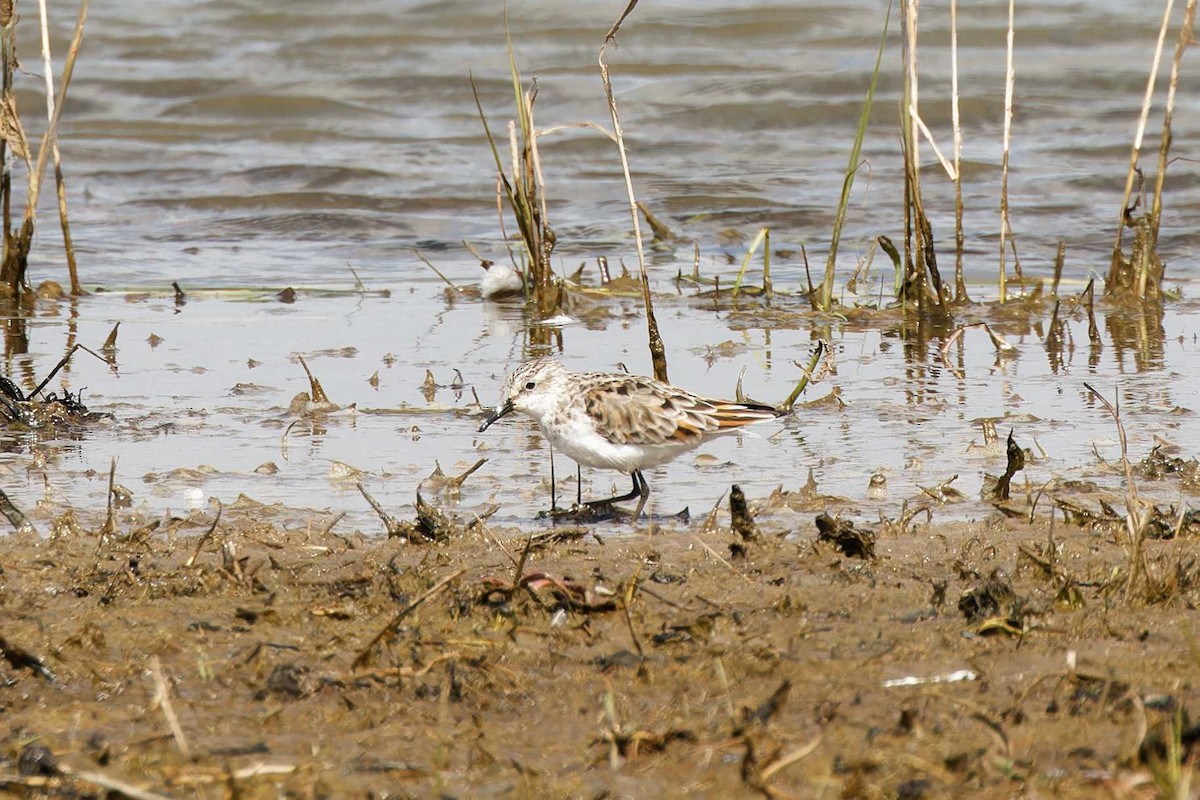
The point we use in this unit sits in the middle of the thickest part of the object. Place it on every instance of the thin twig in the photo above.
(162, 699)
(718, 557)
(111, 784)
(360, 660)
(390, 524)
(802, 752)
(436, 271)
(658, 356)
(951, 170)
(1135, 523)
(630, 593)
(62, 362)
(204, 539)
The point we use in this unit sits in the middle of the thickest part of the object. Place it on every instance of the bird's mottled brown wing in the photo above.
(632, 410)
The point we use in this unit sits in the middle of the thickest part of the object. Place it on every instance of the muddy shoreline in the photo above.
(599, 663)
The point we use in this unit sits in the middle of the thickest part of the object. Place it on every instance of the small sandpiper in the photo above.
(613, 420)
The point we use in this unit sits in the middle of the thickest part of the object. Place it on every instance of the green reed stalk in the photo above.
(852, 168)
(754, 245)
(790, 403)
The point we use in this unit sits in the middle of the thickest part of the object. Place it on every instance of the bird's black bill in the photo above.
(502, 411)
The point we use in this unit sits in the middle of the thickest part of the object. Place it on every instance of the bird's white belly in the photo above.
(578, 439)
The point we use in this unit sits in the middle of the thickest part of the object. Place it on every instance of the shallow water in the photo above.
(195, 415)
(277, 144)
(274, 146)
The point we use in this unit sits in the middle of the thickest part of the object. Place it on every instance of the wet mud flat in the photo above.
(269, 655)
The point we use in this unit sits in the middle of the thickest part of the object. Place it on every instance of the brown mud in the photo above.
(264, 654)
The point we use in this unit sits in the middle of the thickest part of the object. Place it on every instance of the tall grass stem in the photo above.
(1009, 85)
(658, 356)
(16, 255)
(960, 285)
(1115, 265)
(852, 168)
(59, 181)
(1186, 37)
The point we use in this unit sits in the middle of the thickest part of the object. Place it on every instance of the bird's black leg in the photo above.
(636, 492)
(643, 488)
(578, 486)
(640, 492)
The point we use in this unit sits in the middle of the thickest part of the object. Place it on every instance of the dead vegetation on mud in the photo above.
(755, 654)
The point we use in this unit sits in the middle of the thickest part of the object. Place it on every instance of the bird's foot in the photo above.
(607, 511)
(586, 512)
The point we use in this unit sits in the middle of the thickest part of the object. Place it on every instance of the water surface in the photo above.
(314, 146)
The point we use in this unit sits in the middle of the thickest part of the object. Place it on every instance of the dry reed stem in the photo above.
(1115, 265)
(8, 45)
(436, 271)
(59, 182)
(767, 286)
(16, 253)
(110, 517)
(909, 10)
(203, 540)
(530, 189)
(1186, 37)
(917, 225)
(960, 285)
(567, 126)
(951, 170)
(719, 557)
(162, 699)
(1009, 84)
(512, 254)
(526, 193)
(13, 514)
(785, 761)
(111, 784)
(1060, 260)
(658, 356)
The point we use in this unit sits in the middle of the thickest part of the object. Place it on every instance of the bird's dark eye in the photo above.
(530, 385)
